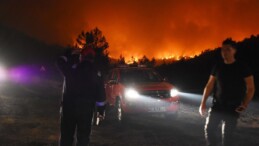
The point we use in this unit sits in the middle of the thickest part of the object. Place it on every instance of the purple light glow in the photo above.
(23, 74)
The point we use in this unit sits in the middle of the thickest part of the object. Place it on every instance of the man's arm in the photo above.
(207, 91)
(250, 90)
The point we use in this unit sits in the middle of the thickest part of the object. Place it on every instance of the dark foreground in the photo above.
(29, 116)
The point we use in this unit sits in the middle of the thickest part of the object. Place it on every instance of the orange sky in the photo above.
(158, 28)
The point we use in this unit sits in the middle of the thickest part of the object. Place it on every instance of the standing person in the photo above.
(83, 88)
(233, 86)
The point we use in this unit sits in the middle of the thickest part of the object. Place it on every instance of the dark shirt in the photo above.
(82, 82)
(230, 86)
(90, 82)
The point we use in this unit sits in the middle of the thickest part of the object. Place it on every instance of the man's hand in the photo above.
(101, 108)
(241, 108)
(207, 90)
(250, 87)
(100, 116)
(202, 109)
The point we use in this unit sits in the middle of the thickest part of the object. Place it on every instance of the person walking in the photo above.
(232, 84)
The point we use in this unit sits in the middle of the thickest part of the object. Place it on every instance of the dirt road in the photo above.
(29, 116)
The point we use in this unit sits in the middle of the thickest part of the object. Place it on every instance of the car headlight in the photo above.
(174, 92)
(3, 73)
(131, 93)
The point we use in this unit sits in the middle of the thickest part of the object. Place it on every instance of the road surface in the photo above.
(29, 116)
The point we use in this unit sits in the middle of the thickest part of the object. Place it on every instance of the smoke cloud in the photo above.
(156, 28)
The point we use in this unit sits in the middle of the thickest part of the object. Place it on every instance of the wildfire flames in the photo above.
(164, 29)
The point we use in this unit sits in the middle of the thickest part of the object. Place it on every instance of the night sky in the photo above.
(158, 28)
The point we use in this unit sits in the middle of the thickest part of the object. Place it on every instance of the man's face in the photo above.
(228, 52)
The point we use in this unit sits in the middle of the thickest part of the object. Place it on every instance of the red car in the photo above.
(136, 90)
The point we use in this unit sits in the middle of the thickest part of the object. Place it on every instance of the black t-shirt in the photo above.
(83, 82)
(230, 87)
(90, 83)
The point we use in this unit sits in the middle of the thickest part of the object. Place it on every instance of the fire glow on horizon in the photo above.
(164, 29)
(131, 59)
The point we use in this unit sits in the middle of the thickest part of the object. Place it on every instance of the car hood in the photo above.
(151, 86)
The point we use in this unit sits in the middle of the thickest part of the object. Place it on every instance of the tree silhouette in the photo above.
(145, 61)
(153, 62)
(95, 39)
(134, 61)
(121, 60)
(192, 74)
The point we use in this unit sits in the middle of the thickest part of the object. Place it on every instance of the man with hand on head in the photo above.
(83, 88)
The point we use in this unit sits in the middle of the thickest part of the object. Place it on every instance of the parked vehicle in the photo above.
(140, 90)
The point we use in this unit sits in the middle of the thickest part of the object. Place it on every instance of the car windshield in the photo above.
(139, 75)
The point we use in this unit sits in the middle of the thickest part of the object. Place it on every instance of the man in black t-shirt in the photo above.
(233, 88)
